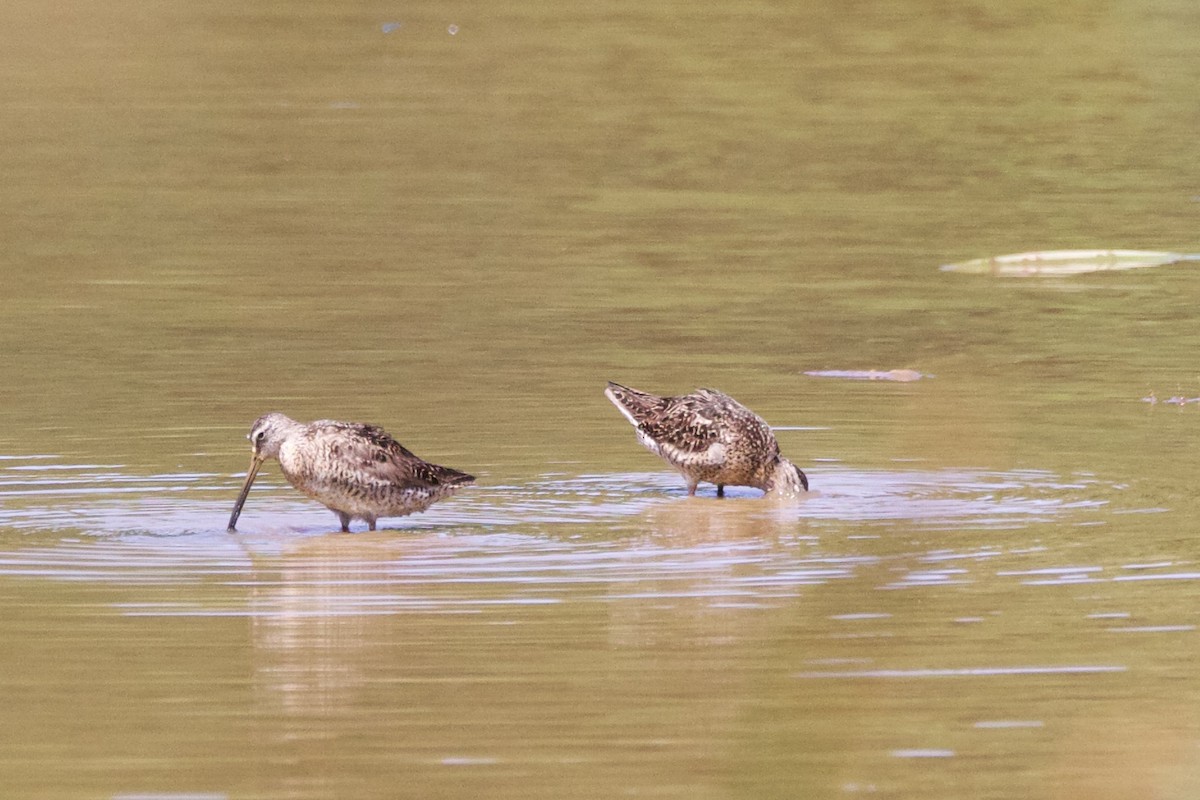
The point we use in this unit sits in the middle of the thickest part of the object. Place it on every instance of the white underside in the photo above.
(714, 456)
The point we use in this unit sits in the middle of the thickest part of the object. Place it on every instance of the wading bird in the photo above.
(709, 437)
(357, 471)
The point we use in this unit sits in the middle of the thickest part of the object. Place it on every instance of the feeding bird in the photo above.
(357, 471)
(709, 437)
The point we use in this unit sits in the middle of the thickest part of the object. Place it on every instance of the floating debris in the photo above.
(1059, 263)
(922, 752)
(899, 375)
(1174, 400)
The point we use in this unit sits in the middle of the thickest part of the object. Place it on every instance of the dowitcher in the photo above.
(709, 437)
(357, 471)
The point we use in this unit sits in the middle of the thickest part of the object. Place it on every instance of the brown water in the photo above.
(458, 221)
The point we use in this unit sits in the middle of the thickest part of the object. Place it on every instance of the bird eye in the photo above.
(258, 438)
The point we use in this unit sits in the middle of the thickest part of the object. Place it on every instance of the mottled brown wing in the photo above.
(691, 423)
(736, 425)
(381, 458)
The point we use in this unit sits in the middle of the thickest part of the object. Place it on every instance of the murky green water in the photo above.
(458, 222)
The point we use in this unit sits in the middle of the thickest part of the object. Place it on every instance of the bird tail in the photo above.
(634, 404)
(446, 476)
(459, 478)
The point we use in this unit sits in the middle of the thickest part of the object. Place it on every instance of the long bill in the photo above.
(255, 463)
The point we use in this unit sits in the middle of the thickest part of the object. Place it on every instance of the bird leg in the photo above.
(370, 523)
(345, 520)
(691, 489)
(720, 490)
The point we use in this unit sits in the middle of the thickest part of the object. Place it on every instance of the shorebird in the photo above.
(708, 436)
(357, 471)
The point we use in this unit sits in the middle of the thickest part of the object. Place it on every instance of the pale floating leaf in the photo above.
(899, 375)
(1056, 263)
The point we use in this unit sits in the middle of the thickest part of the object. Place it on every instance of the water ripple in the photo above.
(613, 538)
(99, 499)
